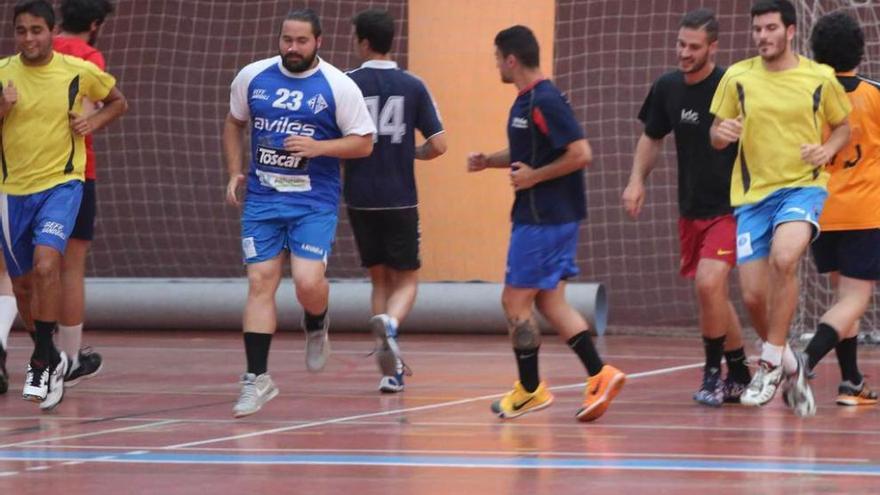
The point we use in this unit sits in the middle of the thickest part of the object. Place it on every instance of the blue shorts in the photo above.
(755, 223)
(45, 218)
(268, 228)
(540, 256)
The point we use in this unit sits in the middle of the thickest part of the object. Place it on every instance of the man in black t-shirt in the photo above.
(679, 102)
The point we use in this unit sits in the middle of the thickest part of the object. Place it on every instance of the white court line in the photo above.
(407, 410)
(8, 473)
(85, 435)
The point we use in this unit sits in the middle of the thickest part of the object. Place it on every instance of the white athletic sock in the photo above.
(772, 353)
(8, 312)
(789, 362)
(70, 340)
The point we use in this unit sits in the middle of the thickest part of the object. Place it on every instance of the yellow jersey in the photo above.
(854, 188)
(38, 149)
(781, 111)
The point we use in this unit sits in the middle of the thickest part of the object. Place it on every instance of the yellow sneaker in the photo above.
(601, 390)
(518, 401)
(855, 395)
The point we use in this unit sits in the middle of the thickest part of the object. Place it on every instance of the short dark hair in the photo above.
(77, 16)
(702, 19)
(36, 8)
(377, 27)
(520, 42)
(785, 9)
(306, 15)
(838, 40)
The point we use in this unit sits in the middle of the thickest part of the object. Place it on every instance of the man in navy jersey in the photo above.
(546, 155)
(304, 116)
(380, 190)
(679, 102)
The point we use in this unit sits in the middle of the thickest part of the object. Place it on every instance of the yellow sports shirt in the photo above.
(781, 111)
(39, 149)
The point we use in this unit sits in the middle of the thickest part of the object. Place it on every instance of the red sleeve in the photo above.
(96, 58)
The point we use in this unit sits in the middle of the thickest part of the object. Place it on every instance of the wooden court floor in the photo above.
(158, 421)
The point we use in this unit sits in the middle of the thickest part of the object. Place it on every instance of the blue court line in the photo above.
(511, 462)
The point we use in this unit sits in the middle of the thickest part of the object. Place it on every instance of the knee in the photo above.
(46, 268)
(262, 283)
(753, 299)
(510, 304)
(784, 263)
(308, 284)
(710, 287)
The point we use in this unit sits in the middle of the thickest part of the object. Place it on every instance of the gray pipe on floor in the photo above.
(446, 307)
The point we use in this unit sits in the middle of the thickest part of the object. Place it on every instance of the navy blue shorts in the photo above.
(541, 255)
(853, 253)
(45, 218)
(84, 229)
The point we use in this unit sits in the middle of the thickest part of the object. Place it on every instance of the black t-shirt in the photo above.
(703, 172)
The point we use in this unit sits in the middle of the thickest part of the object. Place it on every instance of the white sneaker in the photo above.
(255, 392)
(36, 384)
(317, 345)
(56, 384)
(798, 395)
(388, 356)
(763, 386)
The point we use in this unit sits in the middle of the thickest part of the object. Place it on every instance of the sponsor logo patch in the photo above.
(273, 157)
(317, 103)
(259, 94)
(53, 228)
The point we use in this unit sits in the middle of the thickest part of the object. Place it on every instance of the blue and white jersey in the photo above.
(322, 103)
(399, 103)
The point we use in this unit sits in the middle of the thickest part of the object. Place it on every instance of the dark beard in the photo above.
(301, 66)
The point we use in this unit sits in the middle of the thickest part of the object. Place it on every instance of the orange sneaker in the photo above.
(601, 390)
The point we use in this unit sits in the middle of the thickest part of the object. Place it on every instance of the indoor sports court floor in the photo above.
(158, 420)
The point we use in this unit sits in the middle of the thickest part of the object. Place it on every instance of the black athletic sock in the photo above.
(527, 364)
(847, 351)
(315, 322)
(256, 347)
(826, 338)
(582, 345)
(45, 353)
(714, 352)
(736, 365)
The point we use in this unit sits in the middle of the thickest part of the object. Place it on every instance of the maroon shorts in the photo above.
(713, 238)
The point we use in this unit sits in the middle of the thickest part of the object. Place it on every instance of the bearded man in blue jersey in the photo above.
(304, 116)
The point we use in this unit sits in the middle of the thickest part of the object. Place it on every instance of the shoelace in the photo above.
(248, 392)
(758, 380)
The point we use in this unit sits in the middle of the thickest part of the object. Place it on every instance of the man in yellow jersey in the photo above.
(849, 246)
(779, 106)
(43, 158)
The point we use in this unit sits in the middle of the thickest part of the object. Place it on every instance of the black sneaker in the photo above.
(90, 364)
(4, 376)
